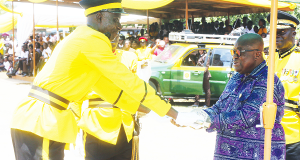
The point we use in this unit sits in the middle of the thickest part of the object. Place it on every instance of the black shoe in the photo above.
(24, 74)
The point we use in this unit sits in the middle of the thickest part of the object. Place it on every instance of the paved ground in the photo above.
(159, 139)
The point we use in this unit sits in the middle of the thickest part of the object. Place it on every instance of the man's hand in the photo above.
(197, 119)
(186, 118)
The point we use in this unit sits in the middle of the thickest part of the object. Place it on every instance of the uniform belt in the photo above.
(98, 102)
(293, 103)
(291, 109)
(49, 97)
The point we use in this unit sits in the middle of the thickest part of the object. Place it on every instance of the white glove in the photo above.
(204, 119)
(186, 118)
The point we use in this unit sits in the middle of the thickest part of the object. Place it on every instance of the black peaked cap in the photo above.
(284, 15)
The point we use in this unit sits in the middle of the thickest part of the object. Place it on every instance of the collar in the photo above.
(286, 53)
(257, 71)
(90, 30)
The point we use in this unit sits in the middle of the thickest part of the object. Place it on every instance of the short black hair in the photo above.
(37, 45)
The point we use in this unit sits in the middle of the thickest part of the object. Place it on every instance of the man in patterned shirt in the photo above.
(237, 111)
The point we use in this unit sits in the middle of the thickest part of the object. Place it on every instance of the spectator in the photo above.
(221, 30)
(216, 27)
(153, 32)
(127, 47)
(142, 32)
(262, 25)
(166, 39)
(159, 47)
(150, 43)
(255, 28)
(217, 61)
(7, 64)
(38, 52)
(296, 42)
(237, 24)
(144, 52)
(2, 66)
(245, 22)
(46, 52)
(23, 61)
(41, 39)
(228, 29)
(135, 44)
(121, 42)
(9, 51)
(30, 60)
(249, 28)
(202, 57)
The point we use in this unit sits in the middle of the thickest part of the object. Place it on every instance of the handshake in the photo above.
(196, 119)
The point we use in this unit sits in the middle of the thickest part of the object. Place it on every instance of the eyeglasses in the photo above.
(238, 52)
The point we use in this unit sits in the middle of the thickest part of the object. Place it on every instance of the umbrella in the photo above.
(5, 34)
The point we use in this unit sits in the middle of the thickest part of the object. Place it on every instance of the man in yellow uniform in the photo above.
(106, 125)
(144, 52)
(42, 124)
(287, 69)
(144, 57)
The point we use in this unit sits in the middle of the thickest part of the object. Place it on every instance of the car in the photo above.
(175, 75)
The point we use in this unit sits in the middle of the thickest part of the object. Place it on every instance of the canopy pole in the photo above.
(33, 41)
(57, 32)
(270, 108)
(228, 17)
(148, 22)
(186, 15)
(13, 30)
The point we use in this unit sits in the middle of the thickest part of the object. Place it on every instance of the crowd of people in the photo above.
(203, 27)
(22, 56)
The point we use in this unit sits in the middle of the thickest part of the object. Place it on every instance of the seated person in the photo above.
(217, 61)
(7, 64)
(202, 57)
(2, 66)
(23, 60)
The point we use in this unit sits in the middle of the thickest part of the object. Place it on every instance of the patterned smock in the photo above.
(236, 115)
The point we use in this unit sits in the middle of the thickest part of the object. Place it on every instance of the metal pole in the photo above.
(33, 42)
(270, 108)
(13, 29)
(57, 32)
(186, 15)
(148, 22)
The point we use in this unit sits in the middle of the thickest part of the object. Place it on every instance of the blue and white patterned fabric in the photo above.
(236, 114)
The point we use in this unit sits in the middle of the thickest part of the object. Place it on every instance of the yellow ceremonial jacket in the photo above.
(144, 54)
(286, 69)
(82, 62)
(105, 123)
(129, 59)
